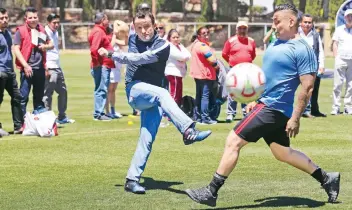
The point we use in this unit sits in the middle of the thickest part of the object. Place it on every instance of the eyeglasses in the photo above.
(160, 28)
(204, 33)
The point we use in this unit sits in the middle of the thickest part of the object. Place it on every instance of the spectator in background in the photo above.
(160, 28)
(30, 45)
(100, 66)
(204, 66)
(312, 37)
(176, 67)
(56, 82)
(342, 42)
(238, 49)
(8, 76)
(118, 33)
(270, 36)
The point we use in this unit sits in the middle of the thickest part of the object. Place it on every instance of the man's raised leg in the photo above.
(152, 95)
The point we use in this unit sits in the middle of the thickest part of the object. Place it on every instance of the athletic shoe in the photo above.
(3, 132)
(66, 120)
(40, 110)
(348, 112)
(102, 118)
(18, 131)
(335, 112)
(202, 196)
(134, 187)
(229, 118)
(117, 114)
(209, 122)
(192, 135)
(332, 186)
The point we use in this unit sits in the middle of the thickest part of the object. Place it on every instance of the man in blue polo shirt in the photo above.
(287, 63)
(146, 61)
(8, 76)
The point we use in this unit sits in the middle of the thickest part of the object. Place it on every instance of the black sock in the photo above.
(216, 183)
(320, 175)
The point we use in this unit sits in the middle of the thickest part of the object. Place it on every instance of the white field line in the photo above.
(8, 138)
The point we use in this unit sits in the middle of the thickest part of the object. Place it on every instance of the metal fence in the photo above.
(75, 35)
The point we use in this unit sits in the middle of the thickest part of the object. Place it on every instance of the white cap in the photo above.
(241, 23)
(347, 12)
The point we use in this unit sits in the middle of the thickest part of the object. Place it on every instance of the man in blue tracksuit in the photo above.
(145, 72)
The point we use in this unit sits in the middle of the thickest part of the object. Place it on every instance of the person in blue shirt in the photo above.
(8, 76)
(287, 63)
(146, 62)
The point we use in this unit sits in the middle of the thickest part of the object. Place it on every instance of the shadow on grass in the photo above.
(152, 184)
(280, 201)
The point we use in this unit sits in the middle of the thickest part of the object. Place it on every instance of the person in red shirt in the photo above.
(100, 66)
(238, 49)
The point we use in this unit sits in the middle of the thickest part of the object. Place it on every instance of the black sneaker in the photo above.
(192, 135)
(332, 186)
(202, 196)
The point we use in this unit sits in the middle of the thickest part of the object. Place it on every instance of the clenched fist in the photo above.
(103, 52)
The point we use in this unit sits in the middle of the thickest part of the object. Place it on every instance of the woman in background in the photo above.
(176, 67)
(119, 39)
(204, 66)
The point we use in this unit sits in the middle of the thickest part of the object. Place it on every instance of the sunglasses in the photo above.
(160, 28)
(205, 33)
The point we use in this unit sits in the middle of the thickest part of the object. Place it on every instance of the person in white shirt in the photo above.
(119, 39)
(342, 42)
(312, 37)
(176, 68)
(56, 81)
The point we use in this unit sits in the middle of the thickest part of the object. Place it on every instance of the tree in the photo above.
(325, 9)
(302, 5)
(38, 6)
(250, 10)
(61, 4)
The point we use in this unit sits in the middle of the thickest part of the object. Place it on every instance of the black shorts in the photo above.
(264, 122)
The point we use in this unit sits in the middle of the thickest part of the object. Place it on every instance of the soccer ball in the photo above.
(245, 82)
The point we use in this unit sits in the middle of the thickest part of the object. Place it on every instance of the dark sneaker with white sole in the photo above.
(202, 196)
(192, 135)
(134, 187)
(332, 186)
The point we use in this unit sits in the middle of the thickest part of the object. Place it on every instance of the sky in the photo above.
(267, 3)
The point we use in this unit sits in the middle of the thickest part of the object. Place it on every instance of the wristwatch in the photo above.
(110, 54)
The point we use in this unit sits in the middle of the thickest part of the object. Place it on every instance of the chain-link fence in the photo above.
(75, 35)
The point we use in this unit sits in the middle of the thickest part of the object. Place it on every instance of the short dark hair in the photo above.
(3, 10)
(307, 15)
(143, 14)
(30, 9)
(194, 37)
(98, 18)
(171, 32)
(52, 16)
(292, 9)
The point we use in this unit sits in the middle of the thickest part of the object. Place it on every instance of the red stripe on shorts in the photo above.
(249, 118)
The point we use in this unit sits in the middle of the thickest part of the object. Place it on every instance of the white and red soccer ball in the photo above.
(245, 82)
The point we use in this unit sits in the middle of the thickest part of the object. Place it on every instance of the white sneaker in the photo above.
(229, 118)
(348, 112)
(334, 112)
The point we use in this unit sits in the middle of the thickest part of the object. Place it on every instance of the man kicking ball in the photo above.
(288, 62)
(145, 72)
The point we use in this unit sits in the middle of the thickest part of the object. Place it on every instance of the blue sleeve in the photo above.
(306, 61)
(135, 58)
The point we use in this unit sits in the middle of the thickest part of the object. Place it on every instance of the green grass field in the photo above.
(85, 166)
